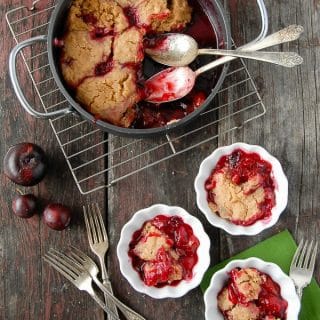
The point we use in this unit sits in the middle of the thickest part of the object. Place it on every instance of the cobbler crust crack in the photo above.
(236, 202)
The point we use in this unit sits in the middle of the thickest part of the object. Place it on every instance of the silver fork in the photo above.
(82, 281)
(302, 265)
(89, 265)
(83, 266)
(99, 244)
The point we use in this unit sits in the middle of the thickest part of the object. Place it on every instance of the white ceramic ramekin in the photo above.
(281, 190)
(220, 278)
(133, 277)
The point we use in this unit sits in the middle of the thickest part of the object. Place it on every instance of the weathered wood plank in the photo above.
(29, 288)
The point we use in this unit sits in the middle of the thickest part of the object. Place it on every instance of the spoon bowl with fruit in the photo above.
(176, 82)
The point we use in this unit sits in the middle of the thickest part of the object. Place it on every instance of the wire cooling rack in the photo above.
(111, 157)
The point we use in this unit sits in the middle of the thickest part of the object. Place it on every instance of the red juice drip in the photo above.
(96, 118)
(154, 116)
(89, 18)
(270, 301)
(158, 42)
(68, 61)
(99, 33)
(198, 98)
(170, 84)
(243, 165)
(58, 43)
(132, 65)
(232, 295)
(162, 86)
(131, 14)
(133, 18)
(104, 67)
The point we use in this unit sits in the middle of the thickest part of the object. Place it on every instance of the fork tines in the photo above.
(64, 264)
(305, 257)
(78, 255)
(94, 223)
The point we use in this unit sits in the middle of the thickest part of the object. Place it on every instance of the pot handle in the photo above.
(16, 86)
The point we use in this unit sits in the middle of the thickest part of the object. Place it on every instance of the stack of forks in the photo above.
(81, 270)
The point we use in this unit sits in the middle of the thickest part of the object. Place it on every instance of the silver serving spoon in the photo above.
(179, 50)
(176, 82)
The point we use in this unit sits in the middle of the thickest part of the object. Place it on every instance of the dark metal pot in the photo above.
(217, 18)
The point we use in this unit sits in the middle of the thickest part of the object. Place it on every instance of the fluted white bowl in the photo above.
(134, 224)
(277, 174)
(220, 278)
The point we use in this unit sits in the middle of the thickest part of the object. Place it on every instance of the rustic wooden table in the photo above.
(30, 289)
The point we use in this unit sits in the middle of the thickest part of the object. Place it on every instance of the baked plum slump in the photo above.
(164, 251)
(241, 188)
(251, 295)
(102, 51)
(103, 63)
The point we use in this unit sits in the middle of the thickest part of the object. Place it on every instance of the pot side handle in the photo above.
(16, 86)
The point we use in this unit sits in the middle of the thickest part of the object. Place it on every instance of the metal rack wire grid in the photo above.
(237, 103)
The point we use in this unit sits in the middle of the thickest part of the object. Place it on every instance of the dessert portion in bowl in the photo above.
(163, 251)
(103, 64)
(241, 188)
(251, 289)
(251, 294)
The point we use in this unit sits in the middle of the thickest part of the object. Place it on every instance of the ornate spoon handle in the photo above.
(285, 59)
(287, 34)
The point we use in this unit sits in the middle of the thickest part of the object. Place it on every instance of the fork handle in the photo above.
(106, 282)
(128, 312)
(103, 306)
(110, 304)
(299, 291)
